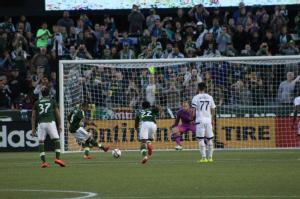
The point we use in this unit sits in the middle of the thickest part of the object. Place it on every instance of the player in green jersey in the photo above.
(77, 120)
(46, 113)
(145, 124)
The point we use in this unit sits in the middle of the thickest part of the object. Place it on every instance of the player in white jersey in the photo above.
(297, 109)
(204, 108)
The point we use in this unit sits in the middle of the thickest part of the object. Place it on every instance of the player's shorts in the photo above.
(81, 135)
(147, 130)
(186, 127)
(204, 130)
(47, 128)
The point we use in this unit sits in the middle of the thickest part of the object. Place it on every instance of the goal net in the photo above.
(254, 98)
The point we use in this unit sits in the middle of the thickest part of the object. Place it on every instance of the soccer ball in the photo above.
(116, 153)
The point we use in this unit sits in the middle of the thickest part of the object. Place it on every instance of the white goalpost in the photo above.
(254, 98)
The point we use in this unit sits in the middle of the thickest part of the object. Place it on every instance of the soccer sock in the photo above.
(57, 149)
(94, 143)
(202, 148)
(177, 140)
(86, 151)
(210, 148)
(42, 152)
(143, 149)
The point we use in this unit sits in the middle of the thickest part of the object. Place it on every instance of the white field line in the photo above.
(199, 197)
(86, 194)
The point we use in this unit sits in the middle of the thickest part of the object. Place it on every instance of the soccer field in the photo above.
(233, 174)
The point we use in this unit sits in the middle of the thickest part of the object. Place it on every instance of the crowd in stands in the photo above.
(29, 58)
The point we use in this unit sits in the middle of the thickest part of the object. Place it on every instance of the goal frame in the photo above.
(197, 59)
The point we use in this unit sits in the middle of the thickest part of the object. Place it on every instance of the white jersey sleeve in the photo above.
(297, 101)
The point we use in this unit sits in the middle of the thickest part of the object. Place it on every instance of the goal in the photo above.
(254, 98)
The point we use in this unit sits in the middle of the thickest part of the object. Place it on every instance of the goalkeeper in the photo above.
(185, 114)
(77, 121)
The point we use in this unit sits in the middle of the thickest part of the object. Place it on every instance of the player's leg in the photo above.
(151, 132)
(94, 143)
(53, 133)
(41, 137)
(176, 136)
(202, 147)
(210, 146)
(143, 139)
(81, 136)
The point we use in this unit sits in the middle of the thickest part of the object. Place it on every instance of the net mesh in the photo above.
(254, 99)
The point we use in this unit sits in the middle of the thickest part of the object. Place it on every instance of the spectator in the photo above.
(151, 90)
(15, 85)
(136, 19)
(231, 51)
(297, 23)
(5, 60)
(173, 95)
(7, 26)
(132, 94)
(154, 43)
(279, 19)
(168, 27)
(238, 14)
(247, 51)
(158, 53)
(126, 40)
(283, 37)
(42, 36)
(271, 41)
(286, 89)
(263, 50)
(25, 23)
(82, 53)
(181, 17)
(211, 51)
(201, 33)
(216, 29)
(90, 42)
(256, 89)
(289, 49)
(168, 50)
(240, 38)
(126, 52)
(157, 29)
(223, 39)
(146, 53)
(189, 44)
(199, 13)
(164, 40)
(175, 53)
(145, 39)
(66, 21)
(255, 41)
(57, 42)
(109, 24)
(4, 93)
(151, 19)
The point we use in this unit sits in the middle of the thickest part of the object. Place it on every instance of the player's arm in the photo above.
(213, 110)
(194, 107)
(136, 123)
(176, 121)
(33, 122)
(57, 116)
(297, 107)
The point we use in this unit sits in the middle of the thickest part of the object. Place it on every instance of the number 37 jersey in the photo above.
(203, 103)
(45, 110)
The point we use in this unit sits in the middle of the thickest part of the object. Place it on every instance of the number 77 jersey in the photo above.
(203, 103)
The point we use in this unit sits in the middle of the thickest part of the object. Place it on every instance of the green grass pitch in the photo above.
(167, 175)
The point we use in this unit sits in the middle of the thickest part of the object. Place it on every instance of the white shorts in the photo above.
(47, 128)
(204, 130)
(81, 135)
(147, 130)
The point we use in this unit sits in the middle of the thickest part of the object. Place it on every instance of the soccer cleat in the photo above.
(150, 149)
(178, 148)
(203, 160)
(44, 165)
(87, 157)
(210, 160)
(105, 148)
(59, 162)
(144, 160)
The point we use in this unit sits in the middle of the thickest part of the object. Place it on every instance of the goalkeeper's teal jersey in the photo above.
(147, 115)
